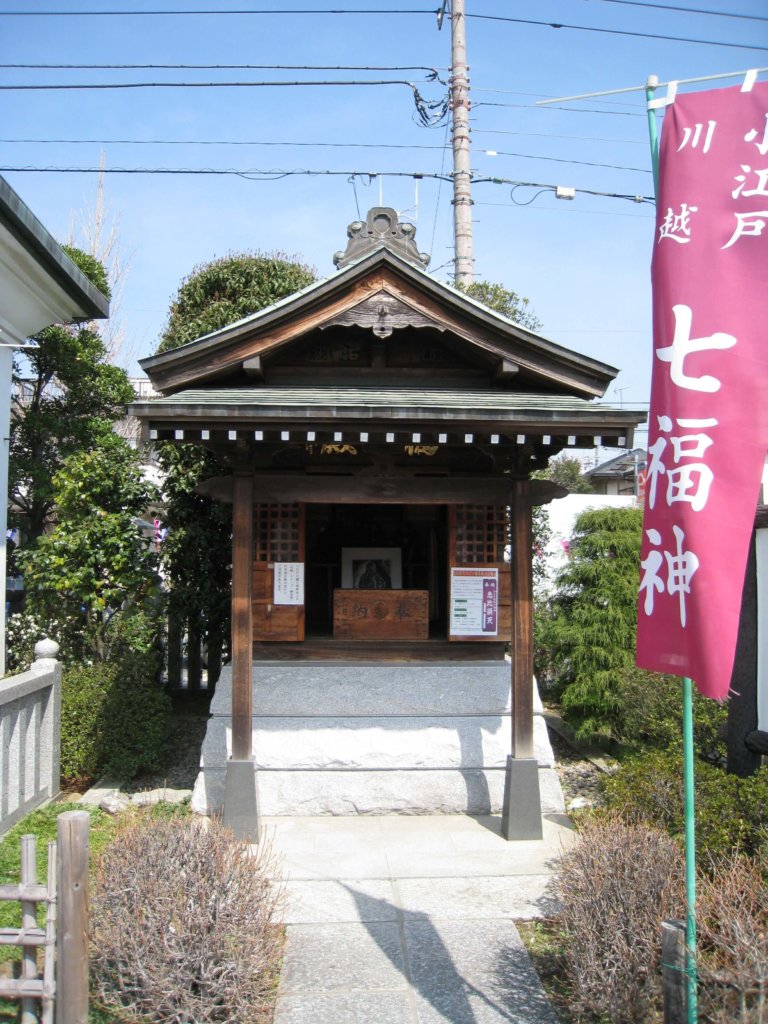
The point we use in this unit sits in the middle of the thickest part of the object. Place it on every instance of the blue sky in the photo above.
(584, 264)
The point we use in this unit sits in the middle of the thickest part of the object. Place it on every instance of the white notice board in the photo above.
(289, 583)
(474, 602)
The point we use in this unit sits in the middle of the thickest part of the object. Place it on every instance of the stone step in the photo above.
(375, 739)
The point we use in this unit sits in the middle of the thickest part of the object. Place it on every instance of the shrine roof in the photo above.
(379, 403)
(216, 355)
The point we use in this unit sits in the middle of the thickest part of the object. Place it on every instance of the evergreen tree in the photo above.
(68, 399)
(196, 552)
(590, 630)
(567, 472)
(503, 300)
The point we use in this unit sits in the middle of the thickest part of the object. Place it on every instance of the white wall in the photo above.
(562, 514)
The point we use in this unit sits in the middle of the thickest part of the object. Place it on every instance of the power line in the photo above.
(275, 174)
(166, 13)
(222, 142)
(430, 112)
(226, 67)
(310, 145)
(202, 85)
(566, 160)
(571, 110)
(613, 31)
(685, 10)
(253, 173)
(546, 135)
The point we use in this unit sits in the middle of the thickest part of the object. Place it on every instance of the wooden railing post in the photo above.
(72, 918)
(28, 923)
(673, 977)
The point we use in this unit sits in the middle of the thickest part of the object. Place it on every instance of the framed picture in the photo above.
(371, 569)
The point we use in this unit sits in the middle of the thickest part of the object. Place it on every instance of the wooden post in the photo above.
(521, 813)
(241, 799)
(174, 650)
(214, 655)
(72, 830)
(242, 617)
(522, 620)
(673, 977)
(194, 658)
(28, 922)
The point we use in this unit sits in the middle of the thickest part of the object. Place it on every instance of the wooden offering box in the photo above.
(381, 614)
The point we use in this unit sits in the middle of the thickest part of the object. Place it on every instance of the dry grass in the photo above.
(184, 925)
(617, 886)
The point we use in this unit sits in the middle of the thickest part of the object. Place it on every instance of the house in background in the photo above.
(620, 475)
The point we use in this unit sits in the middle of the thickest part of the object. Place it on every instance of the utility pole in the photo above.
(462, 171)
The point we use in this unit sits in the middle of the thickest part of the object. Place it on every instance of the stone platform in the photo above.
(341, 738)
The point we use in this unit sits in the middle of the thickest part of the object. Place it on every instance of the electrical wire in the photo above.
(166, 13)
(581, 163)
(571, 110)
(429, 113)
(612, 31)
(221, 142)
(547, 135)
(227, 67)
(276, 174)
(685, 10)
(60, 86)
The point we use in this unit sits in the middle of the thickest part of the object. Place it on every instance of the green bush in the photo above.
(653, 715)
(730, 811)
(589, 629)
(110, 722)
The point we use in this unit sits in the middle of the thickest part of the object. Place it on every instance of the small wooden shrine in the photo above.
(381, 429)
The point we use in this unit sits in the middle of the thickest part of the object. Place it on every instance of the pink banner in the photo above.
(708, 425)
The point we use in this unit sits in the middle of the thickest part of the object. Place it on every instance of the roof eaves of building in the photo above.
(379, 403)
(618, 465)
(21, 224)
(357, 268)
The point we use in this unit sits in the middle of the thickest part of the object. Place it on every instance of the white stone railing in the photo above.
(30, 736)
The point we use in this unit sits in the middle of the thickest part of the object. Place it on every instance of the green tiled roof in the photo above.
(241, 401)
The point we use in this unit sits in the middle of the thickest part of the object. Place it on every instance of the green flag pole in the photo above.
(688, 773)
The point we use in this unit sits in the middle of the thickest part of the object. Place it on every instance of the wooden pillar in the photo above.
(241, 812)
(522, 620)
(242, 617)
(521, 815)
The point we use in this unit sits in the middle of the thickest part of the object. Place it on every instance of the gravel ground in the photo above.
(181, 760)
(579, 777)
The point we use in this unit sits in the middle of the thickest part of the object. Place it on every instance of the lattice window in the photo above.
(482, 533)
(277, 533)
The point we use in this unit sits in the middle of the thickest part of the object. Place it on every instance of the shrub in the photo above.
(733, 940)
(589, 632)
(183, 924)
(616, 887)
(730, 811)
(114, 714)
(653, 714)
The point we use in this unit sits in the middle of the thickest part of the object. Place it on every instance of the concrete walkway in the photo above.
(409, 920)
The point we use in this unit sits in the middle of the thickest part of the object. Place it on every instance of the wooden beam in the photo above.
(507, 369)
(253, 367)
(242, 616)
(522, 620)
(372, 490)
